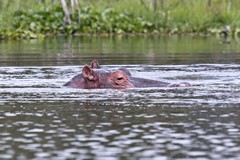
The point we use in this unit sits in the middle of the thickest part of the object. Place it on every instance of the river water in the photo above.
(41, 119)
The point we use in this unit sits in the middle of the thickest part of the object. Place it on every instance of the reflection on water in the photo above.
(118, 50)
(41, 119)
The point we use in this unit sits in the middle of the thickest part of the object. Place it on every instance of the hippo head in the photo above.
(94, 76)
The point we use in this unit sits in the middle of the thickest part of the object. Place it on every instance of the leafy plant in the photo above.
(119, 17)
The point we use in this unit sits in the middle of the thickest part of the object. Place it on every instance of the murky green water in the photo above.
(118, 50)
(41, 119)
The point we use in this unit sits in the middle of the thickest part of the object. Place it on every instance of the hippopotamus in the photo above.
(94, 76)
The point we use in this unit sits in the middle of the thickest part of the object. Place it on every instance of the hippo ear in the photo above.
(95, 64)
(88, 73)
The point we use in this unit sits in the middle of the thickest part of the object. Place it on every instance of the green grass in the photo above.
(170, 16)
(9, 7)
(177, 10)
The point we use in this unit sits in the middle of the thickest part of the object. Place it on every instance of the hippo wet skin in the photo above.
(93, 76)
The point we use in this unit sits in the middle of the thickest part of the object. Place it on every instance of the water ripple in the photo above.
(41, 119)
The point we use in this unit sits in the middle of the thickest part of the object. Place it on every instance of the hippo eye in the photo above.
(120, 78)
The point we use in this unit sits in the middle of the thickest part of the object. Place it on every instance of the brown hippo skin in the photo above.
(94, 76)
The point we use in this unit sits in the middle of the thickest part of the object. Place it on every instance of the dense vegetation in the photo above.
(37, 18)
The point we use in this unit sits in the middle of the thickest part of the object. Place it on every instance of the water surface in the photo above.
(41, 119)
(119, 50)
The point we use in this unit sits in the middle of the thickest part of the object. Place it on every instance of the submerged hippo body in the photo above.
(94, 76)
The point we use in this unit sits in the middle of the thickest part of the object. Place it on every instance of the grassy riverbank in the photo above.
(36, 18)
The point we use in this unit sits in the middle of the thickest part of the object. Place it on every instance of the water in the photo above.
(41, 119)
